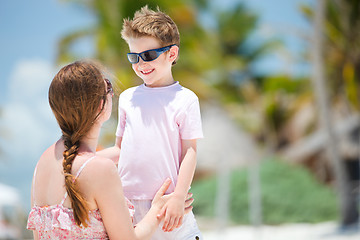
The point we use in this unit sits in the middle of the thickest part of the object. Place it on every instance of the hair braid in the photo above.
(75, 95)
(78, 202)
(69, 154)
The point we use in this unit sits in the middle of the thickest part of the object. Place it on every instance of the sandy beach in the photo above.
(320, 231)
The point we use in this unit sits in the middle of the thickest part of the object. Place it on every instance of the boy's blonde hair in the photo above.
(149, 23)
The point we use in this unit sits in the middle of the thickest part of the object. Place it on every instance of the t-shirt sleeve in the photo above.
(121, 120)
(190, 122)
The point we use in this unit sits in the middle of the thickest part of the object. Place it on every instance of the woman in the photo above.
(75, 193)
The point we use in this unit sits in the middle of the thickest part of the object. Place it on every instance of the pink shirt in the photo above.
(152, 122)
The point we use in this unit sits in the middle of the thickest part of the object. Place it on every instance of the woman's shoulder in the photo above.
(54, 151)
(100, 175)
(101, 168)
(101, 163)
(48, 156)
(48, 152)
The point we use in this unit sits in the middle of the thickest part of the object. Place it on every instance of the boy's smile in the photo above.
(156, 73)
(145, 72)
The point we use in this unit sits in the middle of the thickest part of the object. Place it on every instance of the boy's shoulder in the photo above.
(186, 92)
(177, 89)
(129, 91)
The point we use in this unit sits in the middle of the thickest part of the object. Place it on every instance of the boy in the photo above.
(159, 122)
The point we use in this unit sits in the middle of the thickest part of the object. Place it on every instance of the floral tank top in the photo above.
(58, 222)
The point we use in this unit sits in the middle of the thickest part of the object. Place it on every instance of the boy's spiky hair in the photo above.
(149, 23)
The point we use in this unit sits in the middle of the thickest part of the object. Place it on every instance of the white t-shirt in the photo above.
(152, 122)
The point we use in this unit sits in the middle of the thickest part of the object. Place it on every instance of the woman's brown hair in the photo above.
(75, 95)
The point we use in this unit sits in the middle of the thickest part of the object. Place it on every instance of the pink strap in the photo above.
(76, 176)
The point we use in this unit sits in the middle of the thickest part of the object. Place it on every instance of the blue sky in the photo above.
(29, 34)
(31, 29)
(282, 19)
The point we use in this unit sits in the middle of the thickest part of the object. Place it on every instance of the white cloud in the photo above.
(28, 121)
(30, 80)
(27, 113)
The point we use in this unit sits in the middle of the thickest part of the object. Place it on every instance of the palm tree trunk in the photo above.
(347, 203)
(223, 195)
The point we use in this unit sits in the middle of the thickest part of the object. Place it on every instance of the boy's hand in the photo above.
(174, 213)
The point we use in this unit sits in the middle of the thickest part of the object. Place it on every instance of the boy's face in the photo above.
(156, 73)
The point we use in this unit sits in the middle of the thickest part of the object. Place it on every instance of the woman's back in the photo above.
(51, 214)
(49, 180)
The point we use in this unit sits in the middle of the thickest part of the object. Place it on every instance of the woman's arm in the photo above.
(108, 193)
(112, 152)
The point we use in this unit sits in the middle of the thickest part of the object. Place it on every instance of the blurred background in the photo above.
(279, 88)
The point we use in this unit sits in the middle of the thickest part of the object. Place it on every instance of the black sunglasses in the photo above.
(148, 55)
(109, 88)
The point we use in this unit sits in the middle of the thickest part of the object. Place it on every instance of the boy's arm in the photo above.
(112, 152)
(174, 209)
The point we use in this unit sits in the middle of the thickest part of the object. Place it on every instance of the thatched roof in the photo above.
(347, 132)
(224, 142)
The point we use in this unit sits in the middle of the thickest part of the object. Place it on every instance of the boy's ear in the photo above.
(173, 53)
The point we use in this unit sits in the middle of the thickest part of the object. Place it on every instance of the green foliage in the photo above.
(276, 113)
(289, 194)
(341, 47)
(285, 84)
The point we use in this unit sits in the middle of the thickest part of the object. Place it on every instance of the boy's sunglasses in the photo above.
(148, 55)
(109, 88)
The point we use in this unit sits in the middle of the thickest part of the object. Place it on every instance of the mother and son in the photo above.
(78, 192)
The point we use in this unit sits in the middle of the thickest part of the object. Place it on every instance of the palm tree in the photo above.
(341, 34)
(238, 87)
(342, 44)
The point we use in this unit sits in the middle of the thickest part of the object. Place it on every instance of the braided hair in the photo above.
(75, 95)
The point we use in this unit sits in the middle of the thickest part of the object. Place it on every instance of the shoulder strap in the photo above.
(77, 175)
(33, 184)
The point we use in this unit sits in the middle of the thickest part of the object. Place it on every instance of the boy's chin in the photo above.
(149, 83)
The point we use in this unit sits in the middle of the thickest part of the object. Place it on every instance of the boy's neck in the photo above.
(164, 83)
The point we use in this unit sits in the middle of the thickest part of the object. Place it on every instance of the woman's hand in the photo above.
(189, 200)
(161, 199)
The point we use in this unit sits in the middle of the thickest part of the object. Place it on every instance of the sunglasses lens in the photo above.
(149, 55)
(133, 58)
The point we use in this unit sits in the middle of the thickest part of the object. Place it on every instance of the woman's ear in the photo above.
(101, 106)
(100, 109)
(173, 53)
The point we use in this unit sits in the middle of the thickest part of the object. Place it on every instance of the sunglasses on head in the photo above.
(109, 88)
(148, 55)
